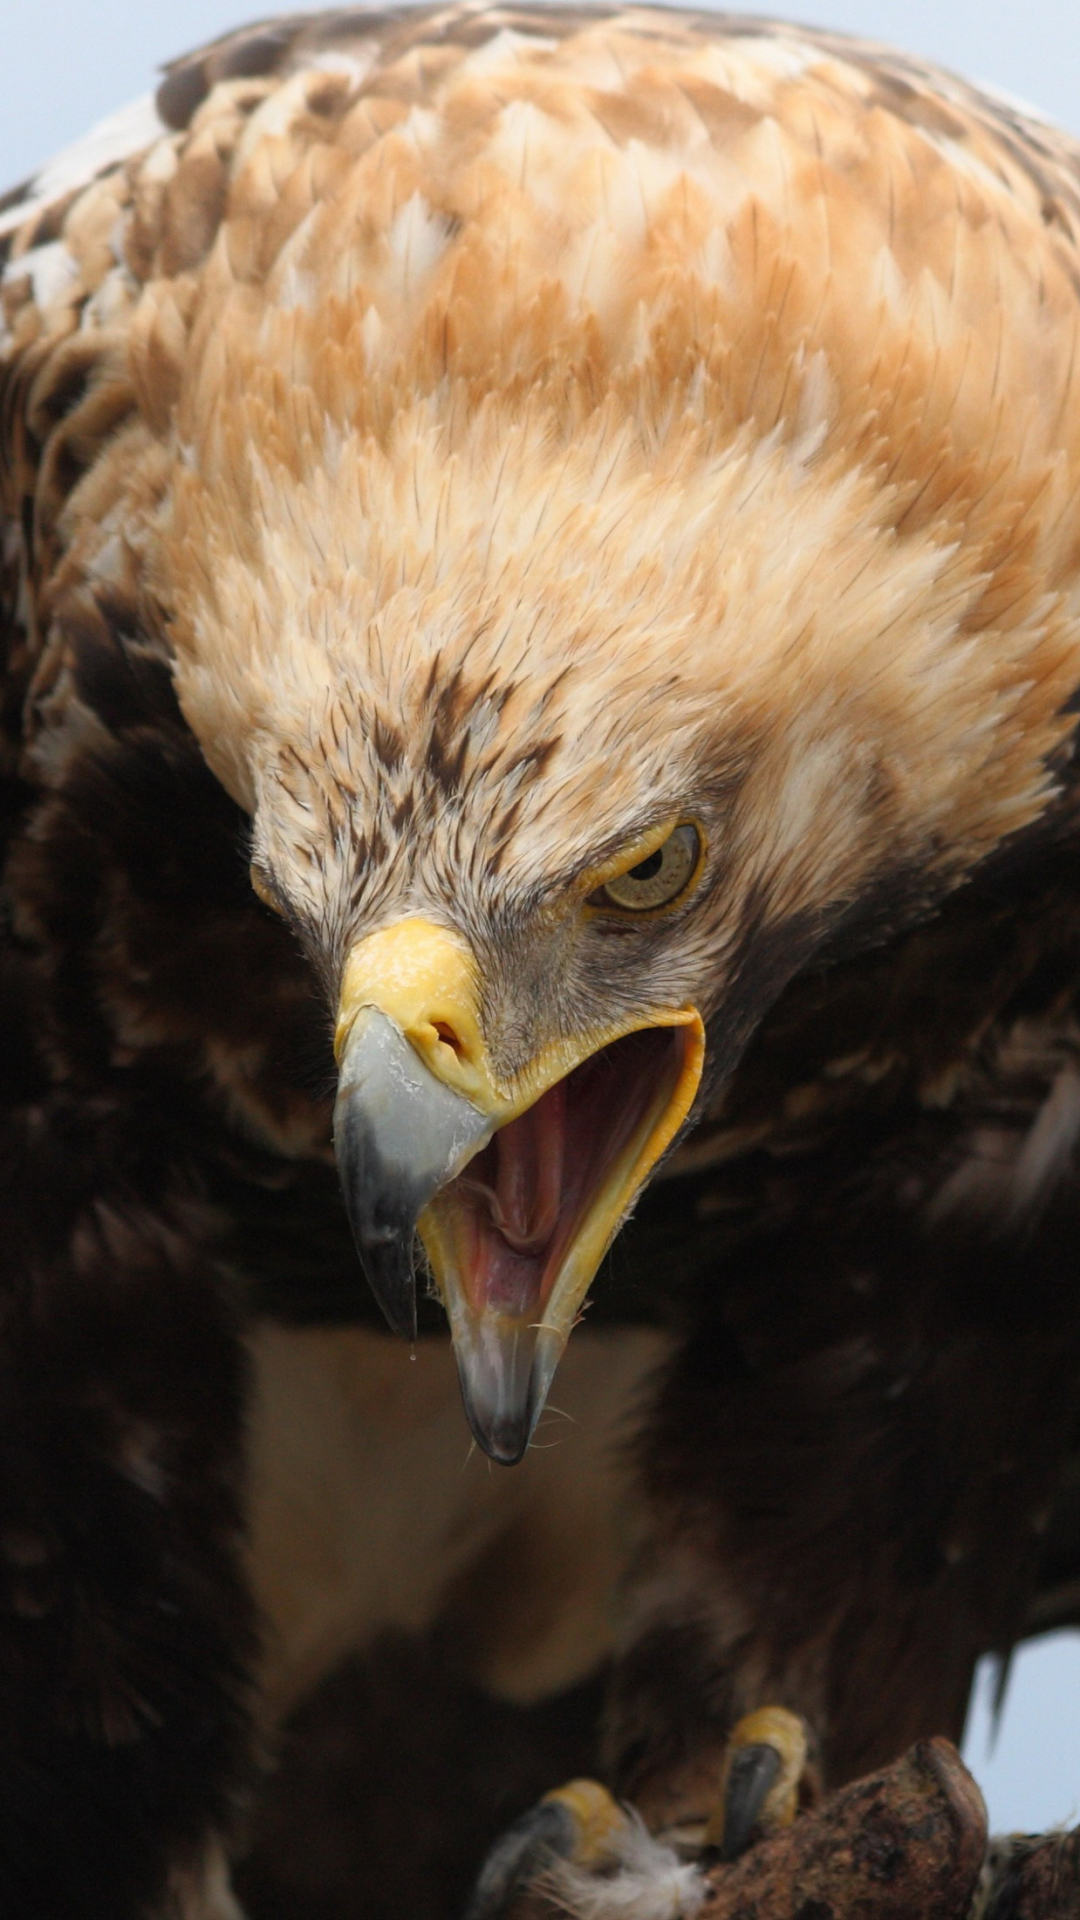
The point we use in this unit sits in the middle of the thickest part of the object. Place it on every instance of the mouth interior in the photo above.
(522, 1199)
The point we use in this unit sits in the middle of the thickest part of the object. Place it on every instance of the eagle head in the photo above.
(589, 659)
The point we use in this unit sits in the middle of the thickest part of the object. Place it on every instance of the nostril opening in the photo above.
(448, 1037)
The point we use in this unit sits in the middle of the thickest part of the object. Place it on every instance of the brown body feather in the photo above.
(446, 441)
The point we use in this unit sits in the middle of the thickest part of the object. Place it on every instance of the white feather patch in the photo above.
(352, 66)
(650, 1883)
(52, 269)
(505, 48)
(122, 134)
(416, 242)
(1049, 1147)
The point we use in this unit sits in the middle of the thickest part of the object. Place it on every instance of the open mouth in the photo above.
(522, 1200)
(517, 1236)
(517, 1186)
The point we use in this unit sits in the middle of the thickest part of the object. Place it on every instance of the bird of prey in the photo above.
(541, 608)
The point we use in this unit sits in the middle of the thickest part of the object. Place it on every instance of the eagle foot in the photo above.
(579, 1827)
(578, 1841)
(908, 1843)
(768, 1777)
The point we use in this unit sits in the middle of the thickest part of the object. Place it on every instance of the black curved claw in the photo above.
(752, 1773)
(547, 1831)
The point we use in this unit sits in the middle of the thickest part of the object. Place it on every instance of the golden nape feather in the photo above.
(577, 512)
(624, 352)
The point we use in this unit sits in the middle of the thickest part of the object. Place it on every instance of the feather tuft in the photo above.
(649, 1882)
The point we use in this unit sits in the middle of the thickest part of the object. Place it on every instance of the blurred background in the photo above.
(66, 63)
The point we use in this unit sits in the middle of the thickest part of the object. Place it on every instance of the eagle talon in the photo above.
(768, 1776)
(579, 1823)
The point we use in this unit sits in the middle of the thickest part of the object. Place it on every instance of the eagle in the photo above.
(541, 625)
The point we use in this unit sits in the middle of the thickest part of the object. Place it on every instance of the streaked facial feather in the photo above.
(537, 437)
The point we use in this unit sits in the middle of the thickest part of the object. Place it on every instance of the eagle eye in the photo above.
(658, 880)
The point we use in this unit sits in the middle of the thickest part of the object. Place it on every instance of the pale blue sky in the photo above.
(67, 63)
(1030, 1774)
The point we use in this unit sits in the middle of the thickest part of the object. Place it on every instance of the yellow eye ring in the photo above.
(659, 877)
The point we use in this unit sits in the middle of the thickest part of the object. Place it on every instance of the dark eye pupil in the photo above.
(646, 869)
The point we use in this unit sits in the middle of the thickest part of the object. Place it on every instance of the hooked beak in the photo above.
(398, 1135)
(517, 1187)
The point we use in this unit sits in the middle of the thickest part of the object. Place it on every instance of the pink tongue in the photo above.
(525, 1167)
(529, 1171)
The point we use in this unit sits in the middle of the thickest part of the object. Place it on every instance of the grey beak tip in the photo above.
(503, 1392)
(504, 1441)
(382, 1216)
(398, 1135)
(389, 1272)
